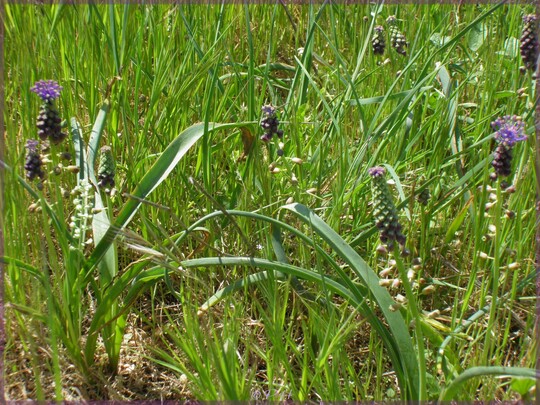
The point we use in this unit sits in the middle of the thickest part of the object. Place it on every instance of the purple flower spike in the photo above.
(509, 130)
(33, 164)
(377, 171)
(48, 90)
(269, 124)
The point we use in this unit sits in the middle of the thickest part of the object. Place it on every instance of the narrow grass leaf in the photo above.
(453, 389)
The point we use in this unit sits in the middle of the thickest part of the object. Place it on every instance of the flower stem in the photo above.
(413, 309)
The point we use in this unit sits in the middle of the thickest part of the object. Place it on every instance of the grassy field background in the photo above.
(161, 69)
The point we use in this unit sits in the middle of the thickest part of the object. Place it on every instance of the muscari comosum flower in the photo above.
(510, 130)
(384, 210)
(49, 121)
(33, 163)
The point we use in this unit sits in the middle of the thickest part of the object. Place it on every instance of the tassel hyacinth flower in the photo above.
(269, 125)
(397, 39)
(384, 210)
(106, 168)
(49, 121)
(529, 42)
(33, 164)
(510, 130)
(377, 42)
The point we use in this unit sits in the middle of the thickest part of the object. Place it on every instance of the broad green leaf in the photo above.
(93, 143)
(394, 96)
(439, 40)
(522, 385)
(511, 48)
(504, 94)
(477, 35)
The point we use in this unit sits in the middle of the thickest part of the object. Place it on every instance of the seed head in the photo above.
(270, 123)
(397, 39)
(424, 197)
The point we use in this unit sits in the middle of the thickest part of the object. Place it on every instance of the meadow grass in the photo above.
(232, 273)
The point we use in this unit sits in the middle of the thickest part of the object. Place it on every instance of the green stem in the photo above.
(488, 343)
(415, 314)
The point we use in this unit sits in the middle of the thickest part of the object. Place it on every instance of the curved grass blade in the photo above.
(398, 329)
(250, 280)
(452, 390)
(153, 178)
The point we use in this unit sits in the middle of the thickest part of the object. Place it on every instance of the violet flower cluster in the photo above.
(49, 121)
(270, 124)
(510, 130)
(384, 210)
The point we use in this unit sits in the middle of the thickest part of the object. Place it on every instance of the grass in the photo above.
(231, 273)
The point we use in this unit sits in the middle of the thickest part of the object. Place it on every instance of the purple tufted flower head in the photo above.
(377, 42)
(377, 171)
(49, 123)
(48, 90)
(268, 110)
(509, 130)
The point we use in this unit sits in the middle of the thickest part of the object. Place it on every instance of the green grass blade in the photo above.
(153, 178)
(93, 143)
(78, 143)
(238, 285)
(381, 296)
(453, 389)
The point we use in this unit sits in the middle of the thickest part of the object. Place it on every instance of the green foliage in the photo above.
(299, 303)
